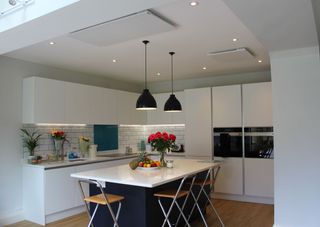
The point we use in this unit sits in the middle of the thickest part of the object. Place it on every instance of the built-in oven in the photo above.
(258, 142)
(227, 142)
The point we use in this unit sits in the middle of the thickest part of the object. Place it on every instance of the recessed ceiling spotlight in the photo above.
(158, 74)
(234, 39)
(114, 60)
(260, 61)
(52, 43)
(204, 68)
(193, 3)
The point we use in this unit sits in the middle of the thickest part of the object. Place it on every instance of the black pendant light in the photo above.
(172, 104)
(146, 100)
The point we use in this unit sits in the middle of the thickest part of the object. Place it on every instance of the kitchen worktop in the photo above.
(66, 163)
(99, 158)
(147, 178)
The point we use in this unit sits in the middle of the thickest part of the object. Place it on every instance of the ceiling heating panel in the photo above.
(239, 54)
(126, 28)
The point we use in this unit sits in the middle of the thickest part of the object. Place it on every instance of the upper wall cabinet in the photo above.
(53, 101)
(158, 116)
(257, 105)
(43, 101)
(126, 108)
(90, 105)
(226, 106)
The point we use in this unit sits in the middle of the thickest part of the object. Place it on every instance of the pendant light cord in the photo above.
(145, 63)
(171, 53)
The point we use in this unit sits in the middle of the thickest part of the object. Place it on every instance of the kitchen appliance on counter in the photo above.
(258, 142)
(227, 142)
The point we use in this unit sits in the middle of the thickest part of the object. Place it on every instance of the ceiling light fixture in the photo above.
(193, 3)
(260, 61)
(52, 43)
(158, 74)
(204, 68)
(234, 39)
(172, 104)
(146, 101)
(114, 60)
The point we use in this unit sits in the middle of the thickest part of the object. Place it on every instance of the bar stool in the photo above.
(175, 195)
(202, 183)
(100, 199)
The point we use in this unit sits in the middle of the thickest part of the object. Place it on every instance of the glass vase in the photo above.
(84, 149)
(58, 149)
(162, 160)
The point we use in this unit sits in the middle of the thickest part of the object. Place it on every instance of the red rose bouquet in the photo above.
(161, 142)
(57, 134)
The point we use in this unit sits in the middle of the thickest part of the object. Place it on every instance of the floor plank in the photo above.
(233, 214)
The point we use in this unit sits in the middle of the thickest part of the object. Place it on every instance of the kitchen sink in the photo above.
(76, 160)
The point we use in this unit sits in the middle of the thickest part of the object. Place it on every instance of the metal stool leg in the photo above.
(186, 199)
(174, 202)
(198, 197)
(94, 213)
(114, 217)
(199, 209)
(87, 205)
(166, 215)
(202, 190)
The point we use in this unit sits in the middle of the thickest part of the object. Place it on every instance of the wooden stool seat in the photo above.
(100, 199)
(201, 182)
(171, 193)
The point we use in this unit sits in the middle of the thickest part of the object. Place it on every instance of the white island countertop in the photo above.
(147, 178)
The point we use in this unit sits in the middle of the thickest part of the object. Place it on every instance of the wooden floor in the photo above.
(233, 214)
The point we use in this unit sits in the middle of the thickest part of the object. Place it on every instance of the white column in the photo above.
(296, 111)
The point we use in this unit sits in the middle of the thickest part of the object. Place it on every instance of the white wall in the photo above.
(11, 74)
(296, 113)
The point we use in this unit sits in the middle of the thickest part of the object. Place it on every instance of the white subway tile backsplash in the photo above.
(128, 136)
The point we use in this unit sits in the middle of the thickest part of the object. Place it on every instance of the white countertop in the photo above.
(67, 163)
(147, 178)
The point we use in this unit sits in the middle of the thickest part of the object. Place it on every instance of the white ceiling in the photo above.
(279, 25)
(208, 27)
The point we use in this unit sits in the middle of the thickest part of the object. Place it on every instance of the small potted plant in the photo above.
(30, 141)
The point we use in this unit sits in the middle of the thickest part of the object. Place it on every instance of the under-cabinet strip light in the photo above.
(53, 124)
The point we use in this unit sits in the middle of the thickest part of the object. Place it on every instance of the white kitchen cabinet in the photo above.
(259, 177)
(53, 101)
(179, 117)
(257, 105)
(59, 190)
(51, 194)
(159, 116)
(126, 109)
(226, 106)
(230, 178)
(198, 130)
(90, 105)
(43, 100)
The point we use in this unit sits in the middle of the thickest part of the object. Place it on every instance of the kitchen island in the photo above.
(140, 207)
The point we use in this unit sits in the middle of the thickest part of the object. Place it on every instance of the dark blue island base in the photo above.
(140, 208)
